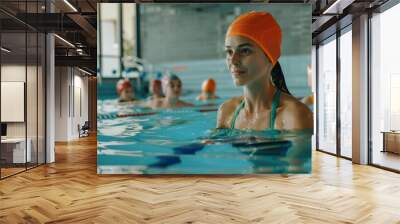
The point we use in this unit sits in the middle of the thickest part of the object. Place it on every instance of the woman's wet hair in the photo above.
(278, 79)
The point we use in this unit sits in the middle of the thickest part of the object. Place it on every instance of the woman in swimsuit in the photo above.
(252, 46)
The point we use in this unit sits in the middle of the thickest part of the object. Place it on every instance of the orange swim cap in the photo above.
(261, 28)
(123, 84)
(209, 86)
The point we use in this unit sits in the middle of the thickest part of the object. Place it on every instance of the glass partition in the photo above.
(22, 87)
(41, 96)
(346, 93)
(13, 95)
(31, 98)
(327, 96)
(385, 89)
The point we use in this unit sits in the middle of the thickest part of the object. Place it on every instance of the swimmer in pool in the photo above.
(156, 89)
(125, 91)
(253, 45)
(208, 90)
(172, 88)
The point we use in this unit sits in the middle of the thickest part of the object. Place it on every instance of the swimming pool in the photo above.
(185, 141)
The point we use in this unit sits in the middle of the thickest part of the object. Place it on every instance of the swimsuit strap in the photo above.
(238, 108)
(275, 104)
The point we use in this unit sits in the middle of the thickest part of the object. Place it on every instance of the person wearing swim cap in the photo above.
(156, 89)
(172, 88)
(208, 90)
(253, 47)
(125, 91)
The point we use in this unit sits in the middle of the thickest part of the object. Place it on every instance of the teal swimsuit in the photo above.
(275, 103)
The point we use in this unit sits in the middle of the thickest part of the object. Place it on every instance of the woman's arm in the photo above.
(226, 111)
(220, 117)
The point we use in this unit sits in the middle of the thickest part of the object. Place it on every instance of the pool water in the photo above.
(185, 141)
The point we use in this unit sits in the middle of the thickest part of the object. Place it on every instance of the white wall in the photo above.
(33, 126)
(61, 103)
(80, 109)
(70, 83)
(82, 83)
(14, 73)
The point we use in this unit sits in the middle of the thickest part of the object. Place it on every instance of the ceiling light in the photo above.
(65, 41)
(70, 5)
(329, 9)
(84, 71)
(337, 7)
(5, 50)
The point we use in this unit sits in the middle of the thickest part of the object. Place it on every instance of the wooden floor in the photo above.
(10, 171)
(70, 191)
(387, 159)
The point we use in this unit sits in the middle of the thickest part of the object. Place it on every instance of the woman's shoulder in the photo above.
(226, 111)
(296, 113)
(230, 104)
